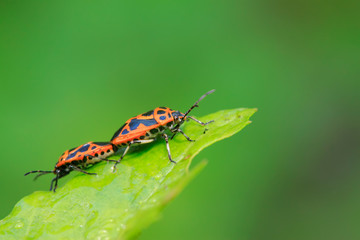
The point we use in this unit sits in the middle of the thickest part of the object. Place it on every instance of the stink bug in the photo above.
(79, 158)
(146, 127)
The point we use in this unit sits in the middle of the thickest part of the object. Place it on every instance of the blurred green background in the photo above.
(74, 71)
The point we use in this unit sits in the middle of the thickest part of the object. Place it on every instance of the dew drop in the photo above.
(19, 225)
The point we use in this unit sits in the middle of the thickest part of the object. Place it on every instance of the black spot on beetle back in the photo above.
(134, 123)
(101, 143)
(149, 113)
(71, 150)
(115, 148)
(75, 163)
(84, 148)
(160, 112)
(154, 131)
(118, 132)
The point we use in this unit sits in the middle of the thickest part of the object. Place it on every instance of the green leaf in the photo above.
(119, 205)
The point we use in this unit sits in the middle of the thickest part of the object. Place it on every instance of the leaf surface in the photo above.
(119, 205)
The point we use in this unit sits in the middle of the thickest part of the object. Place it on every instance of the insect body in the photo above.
(146, 127)
(79, 158)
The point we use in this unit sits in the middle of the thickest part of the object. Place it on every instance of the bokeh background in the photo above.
(74, 71)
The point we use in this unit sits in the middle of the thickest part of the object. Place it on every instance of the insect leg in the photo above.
(144, 141)
(109, 160)
(198, 121)
(56, 183)
(52, 183)
(168, 147)
(101, 159)
(80, 170)
(186, 136)
(122, 156)
(127, 149)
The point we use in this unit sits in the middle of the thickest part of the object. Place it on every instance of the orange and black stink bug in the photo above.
(146, 127)
(79, 158)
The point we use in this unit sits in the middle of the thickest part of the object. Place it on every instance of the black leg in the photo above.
(109, 160)
(168, 147)
(180, 131)
(122, 156)
(55, 179)
(56, 182)
(198, 121)
(80, 170)
(127, 149)
(101, 159)
(52, 183)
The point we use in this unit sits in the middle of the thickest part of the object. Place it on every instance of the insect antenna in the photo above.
(40, 173)
(191, 108)
(196, 104)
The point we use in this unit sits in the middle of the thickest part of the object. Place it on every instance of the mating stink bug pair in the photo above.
(144, 128)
